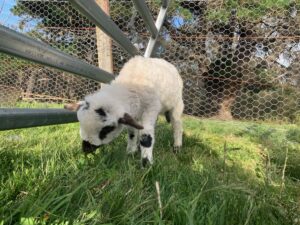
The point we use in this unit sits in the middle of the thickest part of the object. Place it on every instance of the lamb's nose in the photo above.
(87, 147)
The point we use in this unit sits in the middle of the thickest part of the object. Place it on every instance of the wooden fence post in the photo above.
(104, 43)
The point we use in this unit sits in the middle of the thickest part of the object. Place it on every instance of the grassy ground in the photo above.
(227, 173)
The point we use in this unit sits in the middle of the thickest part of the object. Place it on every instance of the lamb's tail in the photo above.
(168, 116)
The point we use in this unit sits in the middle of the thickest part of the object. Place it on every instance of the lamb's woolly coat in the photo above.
(144, 88)
(153, 78)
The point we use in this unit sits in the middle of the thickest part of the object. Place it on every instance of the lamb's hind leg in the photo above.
(176, 122)
(133, 137)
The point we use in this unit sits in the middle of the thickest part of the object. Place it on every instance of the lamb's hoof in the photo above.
(176, 149)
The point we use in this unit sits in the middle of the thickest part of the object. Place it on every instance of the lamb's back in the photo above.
(156, 75)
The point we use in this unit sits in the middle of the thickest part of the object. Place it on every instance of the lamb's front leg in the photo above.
(132, 143)
(151, 109)
(147, 138)
(146, 143)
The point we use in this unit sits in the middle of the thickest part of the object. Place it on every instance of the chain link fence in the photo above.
(238, 59)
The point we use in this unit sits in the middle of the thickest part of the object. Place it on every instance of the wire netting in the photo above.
(238, 59)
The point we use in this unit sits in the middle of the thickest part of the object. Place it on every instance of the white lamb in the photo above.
(145, 88)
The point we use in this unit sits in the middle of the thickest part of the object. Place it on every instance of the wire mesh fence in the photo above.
(238, 59)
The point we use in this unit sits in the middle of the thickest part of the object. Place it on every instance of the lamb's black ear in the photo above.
(100, 111)
(128, 120)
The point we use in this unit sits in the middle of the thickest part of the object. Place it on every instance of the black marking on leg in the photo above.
(144, 162)
(168, 116)
(146, 140)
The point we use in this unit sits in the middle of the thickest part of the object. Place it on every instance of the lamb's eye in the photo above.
(105, 130)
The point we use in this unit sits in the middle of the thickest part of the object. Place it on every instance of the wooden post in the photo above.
(104, 43)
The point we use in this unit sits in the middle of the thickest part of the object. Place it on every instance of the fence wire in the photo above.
(238, 59)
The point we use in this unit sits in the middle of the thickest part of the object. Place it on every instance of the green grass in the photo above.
(227, 173)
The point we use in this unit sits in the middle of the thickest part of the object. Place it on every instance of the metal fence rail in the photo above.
(23, 118)
(95, 14)
(159, 22)
(146, 15)
(19, 45)
(237, 61)
(16, 44)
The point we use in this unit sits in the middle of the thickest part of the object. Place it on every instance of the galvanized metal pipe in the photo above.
(23, 118)
(94, 13)
(159, 22)
(146, 15)
(20, 45)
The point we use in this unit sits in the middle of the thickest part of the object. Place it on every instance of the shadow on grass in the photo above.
(197, 187)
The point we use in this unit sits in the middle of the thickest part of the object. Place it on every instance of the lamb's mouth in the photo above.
(87, 147)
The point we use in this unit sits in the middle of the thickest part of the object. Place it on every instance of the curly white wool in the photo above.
(145, 88)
